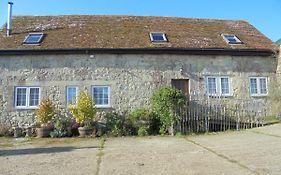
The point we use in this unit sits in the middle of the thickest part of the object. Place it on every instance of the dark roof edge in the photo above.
(179, 51)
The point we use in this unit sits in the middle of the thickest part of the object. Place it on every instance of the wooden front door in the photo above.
(181, 84)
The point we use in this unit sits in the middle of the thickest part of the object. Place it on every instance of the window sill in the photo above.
(220, 96)
(26, 108)
(259, 95)
(102, 106)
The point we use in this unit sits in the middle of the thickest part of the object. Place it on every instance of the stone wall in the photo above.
(132, 78)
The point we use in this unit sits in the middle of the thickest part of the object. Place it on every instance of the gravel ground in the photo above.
(255, 151)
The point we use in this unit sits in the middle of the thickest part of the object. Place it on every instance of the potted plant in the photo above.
(84, 112)
(44, 115)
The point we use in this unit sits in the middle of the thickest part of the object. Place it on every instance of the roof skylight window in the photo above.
(158, 37)
(231, 39)
(33, 38)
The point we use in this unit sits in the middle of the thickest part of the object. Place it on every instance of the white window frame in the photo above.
(67, 92)
(27, 106)
(156, 41)
(238, 41)
(258, 94)
(109, 100)
(34, 43)
(219, 86)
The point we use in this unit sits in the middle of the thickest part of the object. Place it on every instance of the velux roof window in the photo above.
(33, 38)
(231, 39)
(158, 37)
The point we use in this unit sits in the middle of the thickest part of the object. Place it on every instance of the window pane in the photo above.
(157, 37)
(224, 86)
(101, 95)
(232, 39)
(71, 95)
(253, 86)
(212, 88)
(21, 97)
(34, 38)
(263, 86)
(34, 97)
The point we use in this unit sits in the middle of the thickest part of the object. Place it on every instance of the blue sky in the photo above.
(263, 14)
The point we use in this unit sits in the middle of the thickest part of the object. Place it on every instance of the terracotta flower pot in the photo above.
(43, 132)
(84, 131)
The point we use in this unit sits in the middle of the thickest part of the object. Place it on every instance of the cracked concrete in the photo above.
(255, 151)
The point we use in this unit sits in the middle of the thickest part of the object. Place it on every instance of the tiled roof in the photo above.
(66, 32)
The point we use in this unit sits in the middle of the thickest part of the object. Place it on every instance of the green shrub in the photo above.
(115, 124)
(62, 127)
(141, 114)
(45, 112)
(119, 125)
(165, 102)
(143, 131)
(145, 118)
(85, 111)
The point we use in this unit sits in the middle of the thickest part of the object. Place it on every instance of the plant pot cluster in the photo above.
(83, 112)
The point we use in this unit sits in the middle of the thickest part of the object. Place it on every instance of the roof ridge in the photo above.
(132, 16)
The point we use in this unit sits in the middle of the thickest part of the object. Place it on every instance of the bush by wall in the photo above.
(145, 121)
(119, 125)
(165, 102)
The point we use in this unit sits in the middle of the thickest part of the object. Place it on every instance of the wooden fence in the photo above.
(218, 114)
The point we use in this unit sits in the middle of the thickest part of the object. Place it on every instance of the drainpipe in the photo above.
(9, 21)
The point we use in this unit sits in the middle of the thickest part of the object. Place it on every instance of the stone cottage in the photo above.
(122, 60)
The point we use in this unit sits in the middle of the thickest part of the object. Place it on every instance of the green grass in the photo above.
(102, 142)
(270, 120)
(6, 145)
(100, 154)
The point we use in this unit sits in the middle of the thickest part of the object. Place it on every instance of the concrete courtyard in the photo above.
(255, 151)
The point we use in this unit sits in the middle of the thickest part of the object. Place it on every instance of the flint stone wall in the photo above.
(132, 78)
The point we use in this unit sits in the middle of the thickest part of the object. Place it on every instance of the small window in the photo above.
(258, 86)
(218, 86)
(27, 97)
(33, 38)
(231, 39)
(158, 37)
(101, 96)
(71, 95)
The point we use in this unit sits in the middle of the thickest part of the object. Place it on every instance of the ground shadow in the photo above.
(17, 152)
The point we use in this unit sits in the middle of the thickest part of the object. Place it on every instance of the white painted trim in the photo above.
(238, 41)
(218, 86)
(27, 99)
(163, 35)
(34, 33)
(258, 94)
(109, 96)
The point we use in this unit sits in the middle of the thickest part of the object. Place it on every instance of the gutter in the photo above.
(177, 51)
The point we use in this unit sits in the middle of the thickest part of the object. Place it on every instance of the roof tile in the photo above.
(82, 31)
